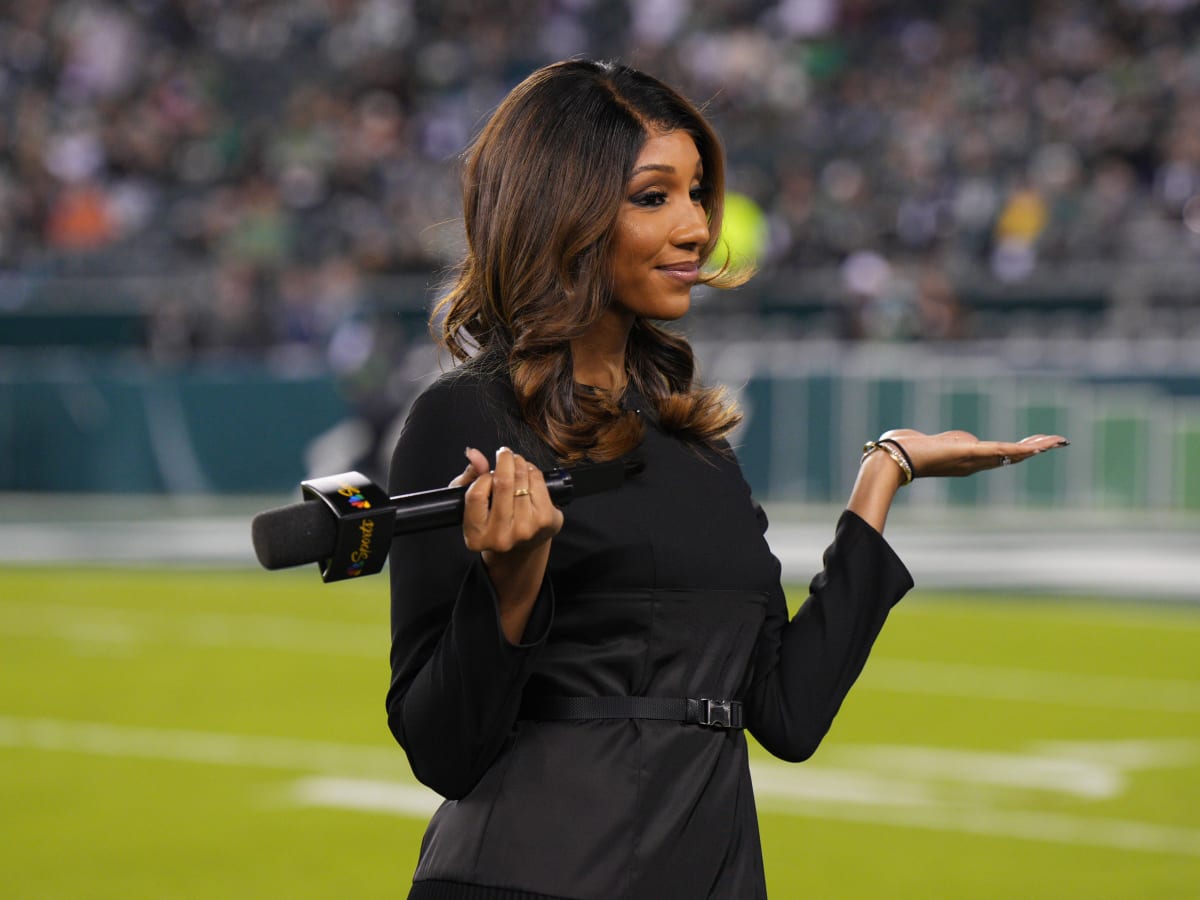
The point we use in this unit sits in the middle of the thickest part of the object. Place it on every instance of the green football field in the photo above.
(220, 734)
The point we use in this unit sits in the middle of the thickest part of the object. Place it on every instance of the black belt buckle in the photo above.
(716, 713)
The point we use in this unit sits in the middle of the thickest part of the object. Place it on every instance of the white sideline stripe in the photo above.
(178, 745)
(97, 624)
(846, 795)
(1125, 618)
(129, 628)
(1031, 685)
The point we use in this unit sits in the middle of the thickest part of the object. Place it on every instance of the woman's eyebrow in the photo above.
(653, 167)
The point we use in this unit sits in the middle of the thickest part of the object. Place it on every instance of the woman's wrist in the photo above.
(517, 578)
(879, 478)
(896, 451)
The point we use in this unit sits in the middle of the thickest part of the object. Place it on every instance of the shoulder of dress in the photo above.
(482, 405)
(469, 382)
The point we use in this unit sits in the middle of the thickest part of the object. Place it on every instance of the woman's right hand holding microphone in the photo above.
(509, 519)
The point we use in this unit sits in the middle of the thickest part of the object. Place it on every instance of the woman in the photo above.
(578, 686)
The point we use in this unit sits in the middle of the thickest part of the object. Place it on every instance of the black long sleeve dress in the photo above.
(662, 588)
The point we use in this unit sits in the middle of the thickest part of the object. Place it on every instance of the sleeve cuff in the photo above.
(484, 613)
(852, 530)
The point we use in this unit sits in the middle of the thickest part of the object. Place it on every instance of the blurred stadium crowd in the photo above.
(276, 167)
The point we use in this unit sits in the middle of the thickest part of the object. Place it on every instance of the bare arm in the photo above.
(951, 453)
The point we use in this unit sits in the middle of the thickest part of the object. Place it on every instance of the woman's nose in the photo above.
(692, 229)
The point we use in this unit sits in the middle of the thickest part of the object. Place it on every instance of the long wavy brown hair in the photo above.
(542, 188)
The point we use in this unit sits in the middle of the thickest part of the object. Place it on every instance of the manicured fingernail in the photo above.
(1063, 443)
(467, 452)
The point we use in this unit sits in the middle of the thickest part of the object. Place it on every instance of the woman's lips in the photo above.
(685, 272)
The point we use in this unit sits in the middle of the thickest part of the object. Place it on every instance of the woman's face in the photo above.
(661, 229)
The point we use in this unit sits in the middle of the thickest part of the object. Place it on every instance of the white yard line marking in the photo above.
(380, 784)
(388, 797)
(785, 782)
(1136, 753)
(1059, 828)
(808, 798)
(1093, 770)
(1079, 778)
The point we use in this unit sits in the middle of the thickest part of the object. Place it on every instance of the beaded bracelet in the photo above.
(908, 459)
(895, 451)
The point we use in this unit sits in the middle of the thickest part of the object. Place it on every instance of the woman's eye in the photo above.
(650, 198)
(698, 193)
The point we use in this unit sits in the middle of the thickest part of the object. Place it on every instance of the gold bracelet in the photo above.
(871, 446)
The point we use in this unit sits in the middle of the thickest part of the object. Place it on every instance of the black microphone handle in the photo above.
(429, 509)
(445, 506)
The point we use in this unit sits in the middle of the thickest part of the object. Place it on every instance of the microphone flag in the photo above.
(365, 517)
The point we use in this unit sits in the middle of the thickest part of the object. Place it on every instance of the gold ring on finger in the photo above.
(521, 492)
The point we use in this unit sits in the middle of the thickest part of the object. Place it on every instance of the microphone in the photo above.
(346, 522)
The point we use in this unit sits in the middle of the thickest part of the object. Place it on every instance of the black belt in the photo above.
(709, 713)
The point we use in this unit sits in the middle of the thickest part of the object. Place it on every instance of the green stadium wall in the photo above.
(96, 425)
(73, 422)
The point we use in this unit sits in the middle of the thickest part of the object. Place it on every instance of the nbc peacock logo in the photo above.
(354, 497)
